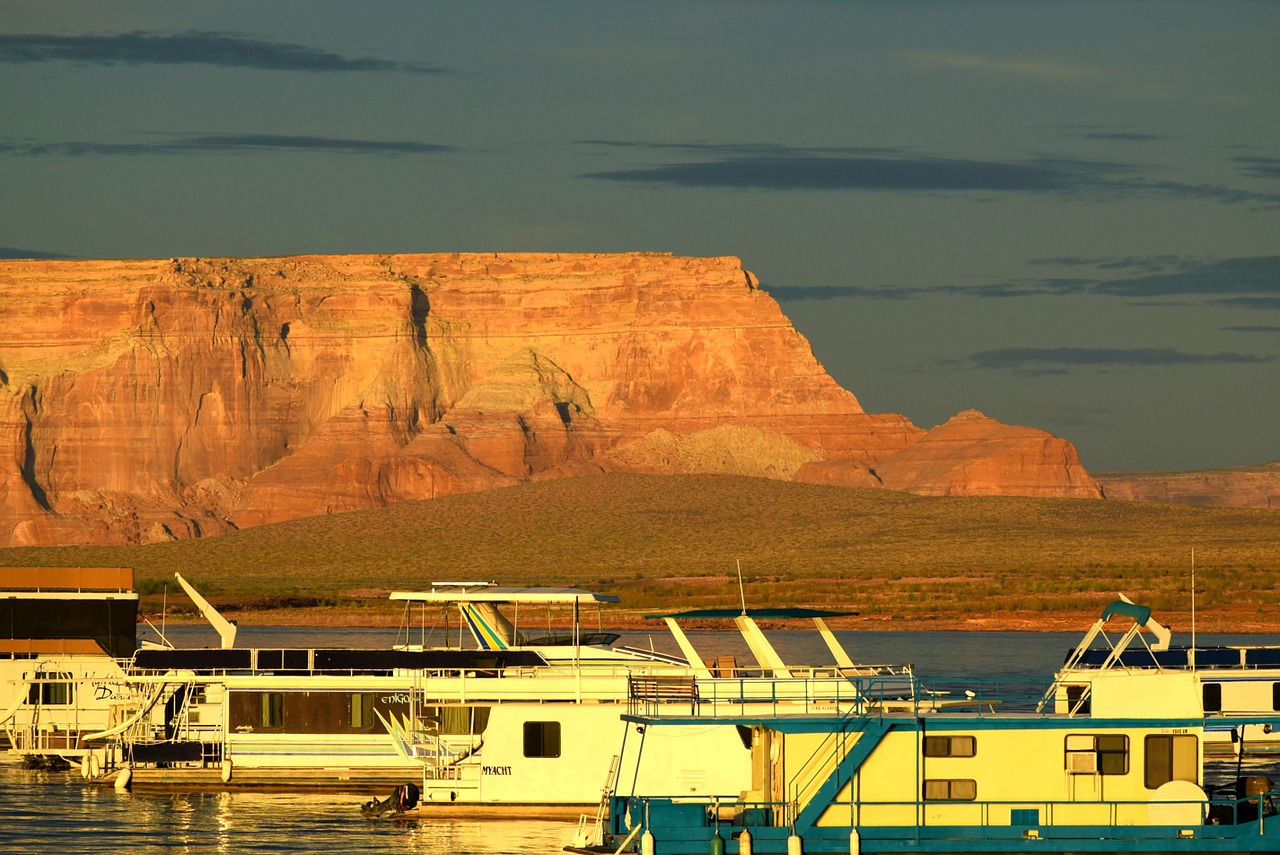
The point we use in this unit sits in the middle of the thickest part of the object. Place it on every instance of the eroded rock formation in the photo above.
(1238, 487)
(149, 400)
(972, 455)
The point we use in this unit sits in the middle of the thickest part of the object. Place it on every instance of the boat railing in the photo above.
(831, 693)
(58, 712)
(1216, 816)
(983, 696)
(170, 726)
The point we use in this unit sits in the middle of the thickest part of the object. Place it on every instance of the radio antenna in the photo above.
(742, 592)
(1193, 608)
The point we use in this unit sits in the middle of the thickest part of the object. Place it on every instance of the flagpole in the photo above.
(1192, 663)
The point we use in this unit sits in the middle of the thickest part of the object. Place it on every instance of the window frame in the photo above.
(957, 789)
(55, 689)
(932, 744)
(360, 711)
(1101, 753)
(544, 737)
(1213, 688)
(272, 712)
(1174, 740)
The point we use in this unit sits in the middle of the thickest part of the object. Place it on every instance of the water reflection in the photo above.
(44, 812)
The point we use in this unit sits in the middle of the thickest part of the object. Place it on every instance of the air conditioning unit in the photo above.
(1082, 762)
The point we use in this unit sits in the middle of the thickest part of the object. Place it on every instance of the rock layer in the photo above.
(1238, 487)
(149, 400)
(972, 455)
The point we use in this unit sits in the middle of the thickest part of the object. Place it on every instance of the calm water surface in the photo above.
(56, 813)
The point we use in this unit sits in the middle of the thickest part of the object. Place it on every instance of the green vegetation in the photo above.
(665, 542)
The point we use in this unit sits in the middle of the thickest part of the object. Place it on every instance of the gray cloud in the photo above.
(193, 47)
(1120, 136)
(206, 143)
(16, 252)
(790, 293)
(787, 293)
(1261, 167)
(1257, 275)
(824, 170)
(1253, 329)
(780, 168)
(1266, 304)
(1250, 282)
(1037, 361)
(1146, 263)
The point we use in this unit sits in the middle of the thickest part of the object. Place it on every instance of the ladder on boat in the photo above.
(593, 835)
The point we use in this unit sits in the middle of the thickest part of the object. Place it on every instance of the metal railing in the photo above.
(1218, 816)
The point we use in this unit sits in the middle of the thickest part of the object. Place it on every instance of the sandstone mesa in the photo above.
(148, 400)
(1237, 487)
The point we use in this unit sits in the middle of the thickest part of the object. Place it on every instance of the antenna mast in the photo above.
(1193, 608)
(741, 591)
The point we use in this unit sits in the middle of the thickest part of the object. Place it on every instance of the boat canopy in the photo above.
(760, 614)
(487, 594)
(1126, 608)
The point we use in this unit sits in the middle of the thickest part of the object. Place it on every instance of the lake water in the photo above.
(46, 812)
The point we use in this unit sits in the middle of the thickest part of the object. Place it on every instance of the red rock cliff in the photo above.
(1239, 487)
(147, 400)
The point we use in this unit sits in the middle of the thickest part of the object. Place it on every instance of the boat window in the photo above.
(950, 790)
(1097, 753)
(464, 721)
(950, 746)
(1212, 693)
(542, 739)
(361, 710)
(51, 691)
(457, 721)
(1078, 700)
(272, 709)
(1275, 696)
(1171, 758)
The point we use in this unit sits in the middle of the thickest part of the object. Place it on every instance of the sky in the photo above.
(1062, 214)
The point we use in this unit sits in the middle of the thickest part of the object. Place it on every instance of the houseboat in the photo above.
(548, 737)
(66, 636)
(516, 719)
(992, 772)
(335, 717)
(1238, 686)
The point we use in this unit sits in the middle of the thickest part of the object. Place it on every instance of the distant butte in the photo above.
(1238, 487)
(150, 400)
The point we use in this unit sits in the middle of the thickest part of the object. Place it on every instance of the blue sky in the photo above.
(1065, 214)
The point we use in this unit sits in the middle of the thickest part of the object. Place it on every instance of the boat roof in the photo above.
(66, 581)
(767, 614)
(489, 594)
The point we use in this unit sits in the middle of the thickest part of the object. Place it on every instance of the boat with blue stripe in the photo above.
(992, 769)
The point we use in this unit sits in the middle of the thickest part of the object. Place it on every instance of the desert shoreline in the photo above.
(1216, 622)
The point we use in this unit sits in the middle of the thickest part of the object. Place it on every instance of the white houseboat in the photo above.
(551, 736)
(1238, 686)
(66, 635)
(516, 720)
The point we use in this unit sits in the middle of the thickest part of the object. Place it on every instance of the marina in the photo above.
(154, 820)
(43, 811)
(511, 720)
(745, 740)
